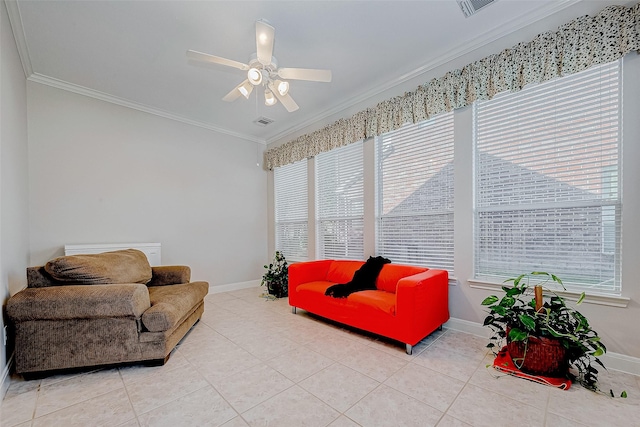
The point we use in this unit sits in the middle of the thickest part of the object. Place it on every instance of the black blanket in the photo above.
(363, 279)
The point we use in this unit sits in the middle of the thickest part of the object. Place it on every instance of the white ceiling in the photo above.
(133, 52)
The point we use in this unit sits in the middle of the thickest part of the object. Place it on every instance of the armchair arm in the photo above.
(170, 275)
(79, 301)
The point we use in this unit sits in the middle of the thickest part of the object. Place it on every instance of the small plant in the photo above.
(516, 317)
(276, 279)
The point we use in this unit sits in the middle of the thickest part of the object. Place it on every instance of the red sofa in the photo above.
(409, 302)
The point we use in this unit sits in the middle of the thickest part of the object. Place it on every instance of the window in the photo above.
(339, 202)
(290, 192)
(547, 189)
(414, 194)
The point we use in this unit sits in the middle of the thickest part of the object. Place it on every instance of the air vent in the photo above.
(470, 7)
(263, 121)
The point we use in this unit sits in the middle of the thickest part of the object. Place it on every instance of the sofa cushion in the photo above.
(391, 273)
(343, 271)
(125, 266)
(319, 287)
(171, 303)
(378, 300)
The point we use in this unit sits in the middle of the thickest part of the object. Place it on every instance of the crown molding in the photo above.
(460, 50)
(15, 19)
(81, 90)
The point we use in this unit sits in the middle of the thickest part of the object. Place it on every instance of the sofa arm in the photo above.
(424, 295)
(170, 275)
(79, 301)
(308, 271)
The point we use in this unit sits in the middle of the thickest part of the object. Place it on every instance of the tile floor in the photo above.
(251, 362)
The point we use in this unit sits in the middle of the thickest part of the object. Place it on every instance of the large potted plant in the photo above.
(276, 279)
(543, 335)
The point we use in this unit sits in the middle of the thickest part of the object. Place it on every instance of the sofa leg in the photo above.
(440, 327)
(409, 349)
(293, 310)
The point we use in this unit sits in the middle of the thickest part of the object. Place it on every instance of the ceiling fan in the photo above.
(262, 70)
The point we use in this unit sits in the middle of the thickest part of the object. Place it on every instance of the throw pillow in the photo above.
(125, 266)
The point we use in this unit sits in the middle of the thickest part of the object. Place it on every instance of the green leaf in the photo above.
(507, 301)
(582, 295)
(599, 352)
(528, 321)
(499, 310)
(513, 291)
(516, 334)
(490, 300)
(623, 395)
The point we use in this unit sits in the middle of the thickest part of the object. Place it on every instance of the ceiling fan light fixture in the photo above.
(269, 98)
(255, 76)
(282, 87)
(245, 89)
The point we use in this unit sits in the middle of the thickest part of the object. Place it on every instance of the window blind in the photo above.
(414, 194)
(292, 217)
(547, 181)
(339, 202)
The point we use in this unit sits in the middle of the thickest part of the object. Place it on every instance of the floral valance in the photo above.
(574, 47)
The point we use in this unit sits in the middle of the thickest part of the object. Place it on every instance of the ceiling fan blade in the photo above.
(235, 92)
(305, 74)
(286, 99)
(205, 57)
(265, 35)
(288, 102)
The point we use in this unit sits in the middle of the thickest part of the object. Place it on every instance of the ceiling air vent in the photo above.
(470, 7)
(263, 121)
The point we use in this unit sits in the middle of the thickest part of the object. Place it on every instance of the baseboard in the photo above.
(234, 286)
(614, 361)
(467, 326)
(4, 384)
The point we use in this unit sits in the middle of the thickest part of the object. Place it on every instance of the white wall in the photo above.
(617, 326)
(14, 227)
(102, 173)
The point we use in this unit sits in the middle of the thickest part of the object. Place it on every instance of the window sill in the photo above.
(591, 298)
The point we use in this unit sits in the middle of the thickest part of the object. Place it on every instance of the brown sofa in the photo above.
(104, 309)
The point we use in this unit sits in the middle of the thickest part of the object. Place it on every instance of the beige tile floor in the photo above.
(251, 362)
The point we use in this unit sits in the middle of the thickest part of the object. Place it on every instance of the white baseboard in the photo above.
(234, 286)
(614, 361)
(467, 326)
(4, 383)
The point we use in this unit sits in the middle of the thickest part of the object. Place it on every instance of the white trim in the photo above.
(234, 286)
(613, 361)
(467, 326)
(591, 298)
(5, 381)
(13, 11)
(81, 90)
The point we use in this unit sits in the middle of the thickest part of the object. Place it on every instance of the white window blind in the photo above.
(292, 217)
(414, 194)
(547, 189)
(339, 202)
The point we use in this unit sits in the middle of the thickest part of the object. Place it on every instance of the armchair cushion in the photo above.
(170, 275)
(170, 304)
(125, 266)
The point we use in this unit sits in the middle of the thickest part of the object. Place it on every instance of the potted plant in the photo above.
(543, 335)
(276, 279)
